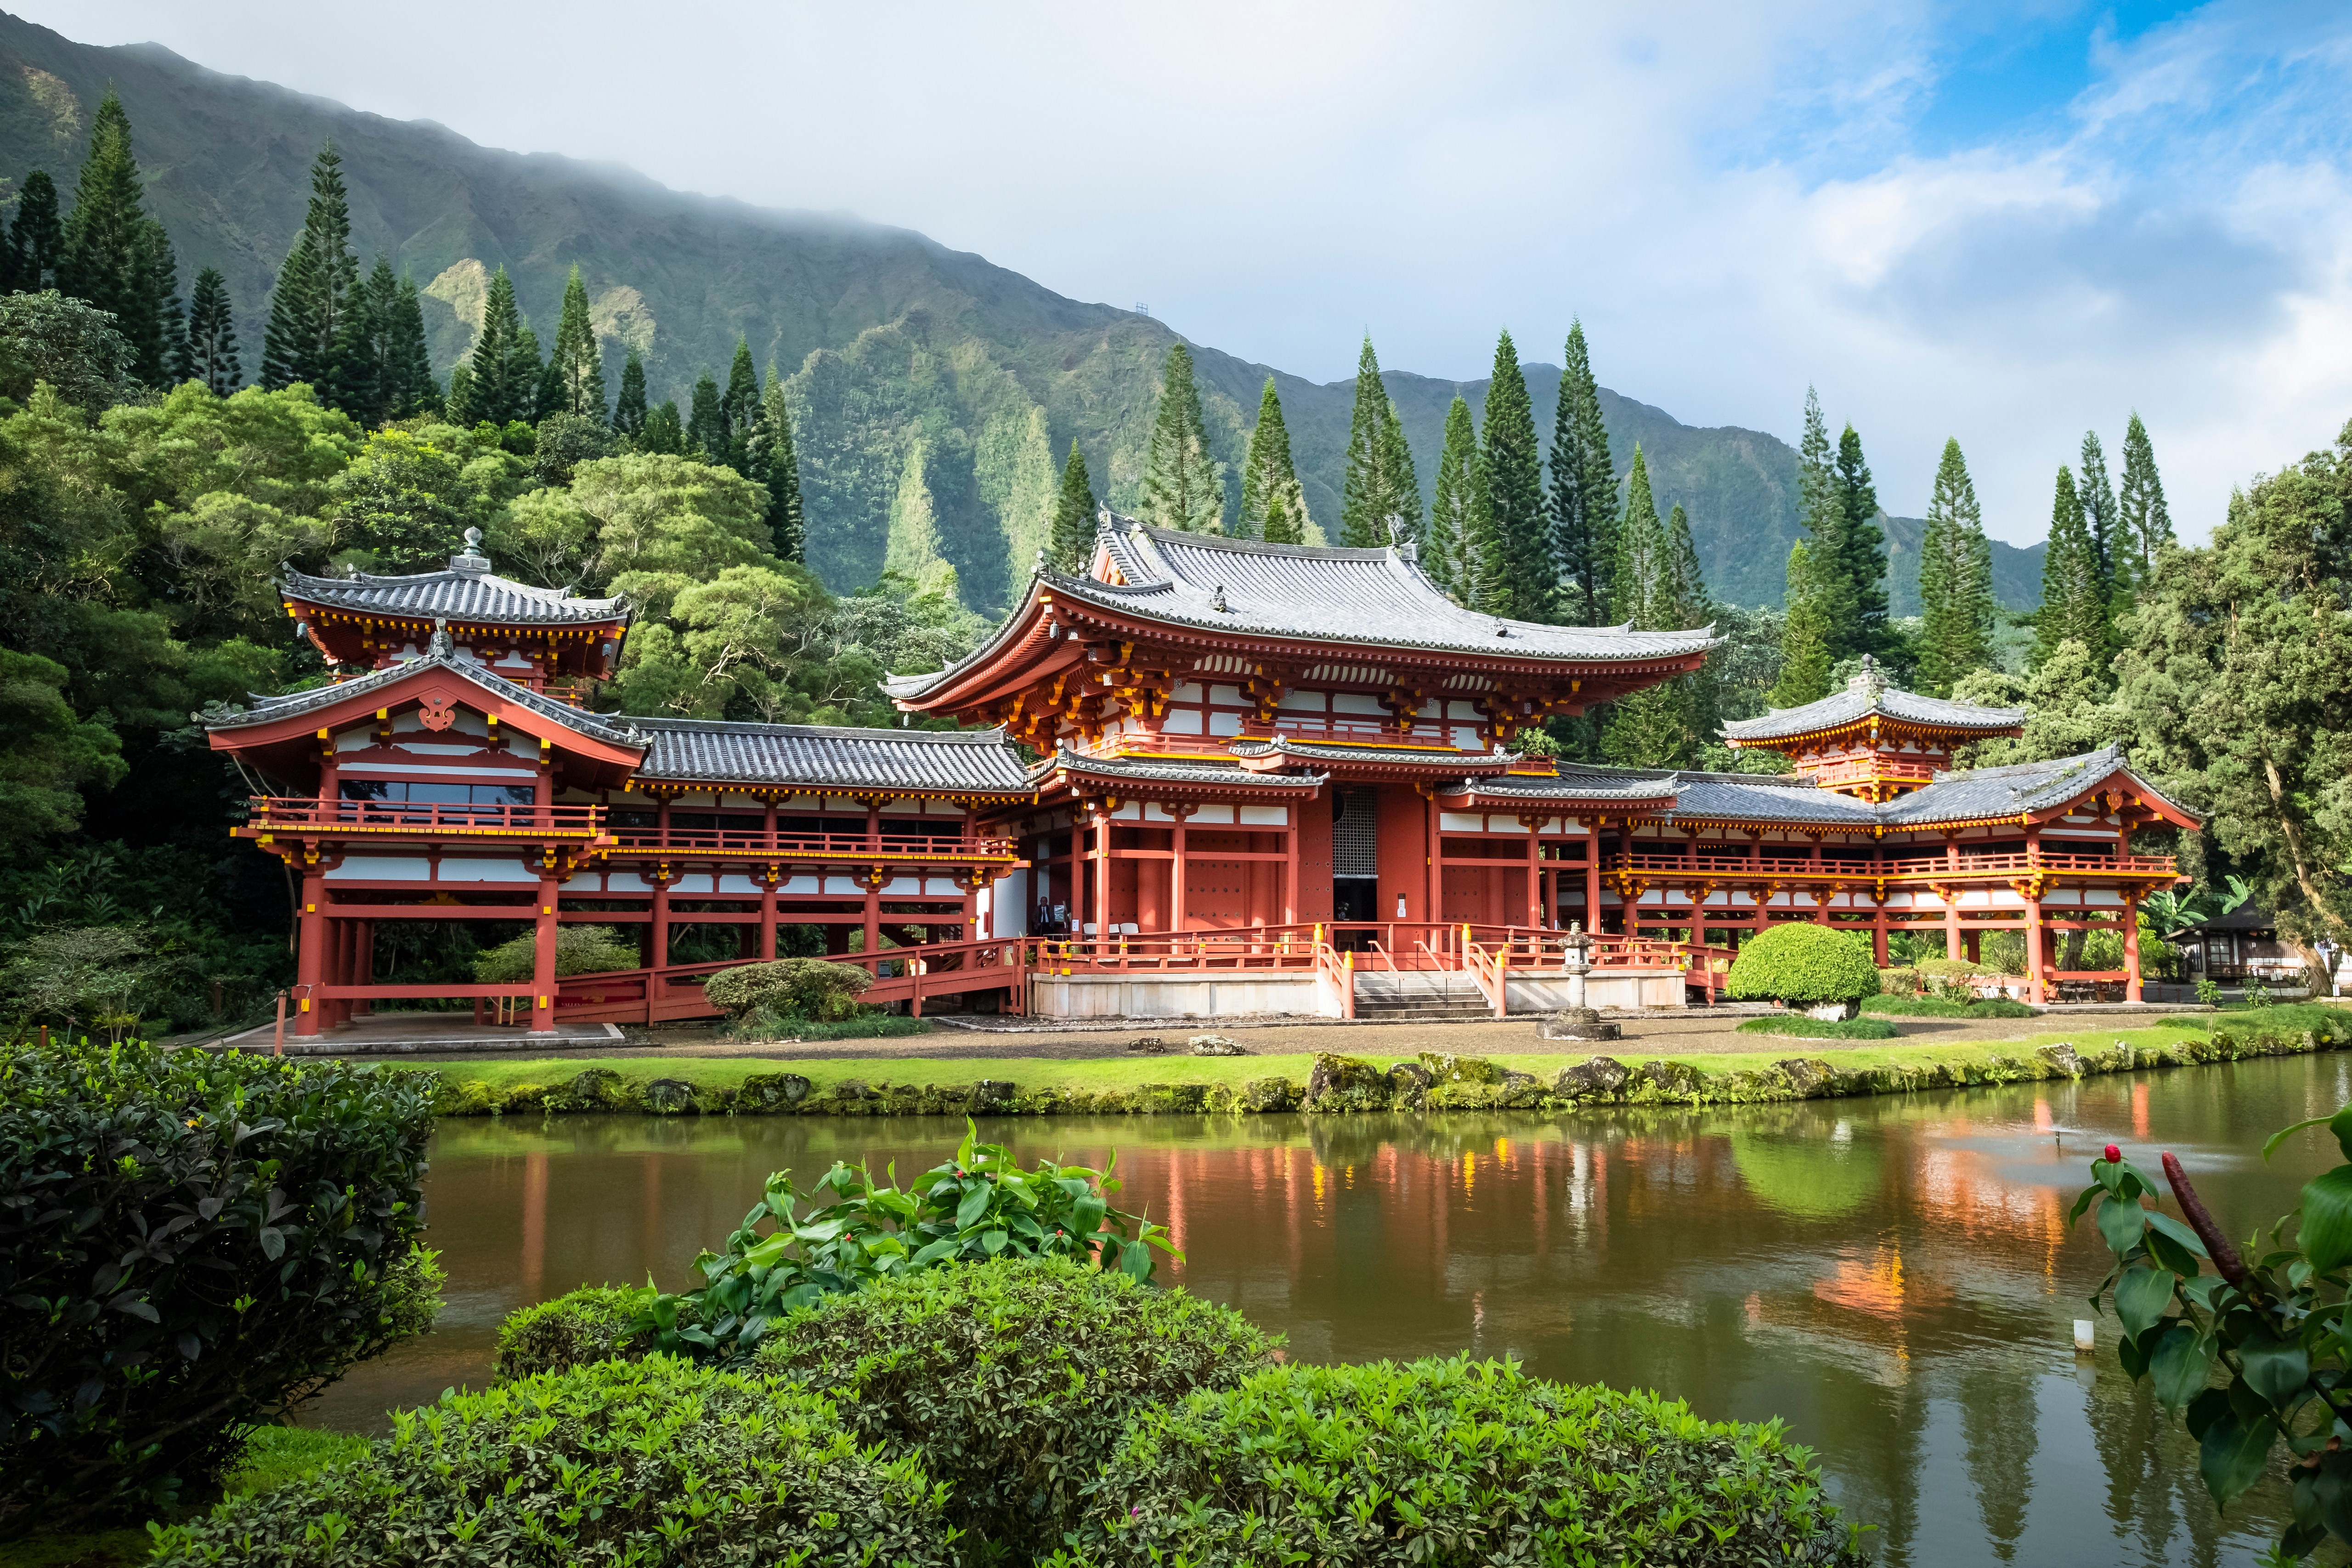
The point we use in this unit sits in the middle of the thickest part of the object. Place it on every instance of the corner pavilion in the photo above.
(1218, 777)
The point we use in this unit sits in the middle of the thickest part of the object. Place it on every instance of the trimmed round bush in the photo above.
(1804, 965)
(189, 1244)
(1012, 1379)
(1454, 1461)
(651, 1461)
(592, 1323)
(812, 988)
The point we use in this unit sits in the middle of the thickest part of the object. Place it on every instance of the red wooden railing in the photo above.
(1910, 867)
(284, 813)
(758, 841)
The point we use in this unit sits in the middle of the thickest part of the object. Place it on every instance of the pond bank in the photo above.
(1326, 1083)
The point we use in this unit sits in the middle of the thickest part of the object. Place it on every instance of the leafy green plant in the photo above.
(1012, 1379)
(596, 1323)
(1453, 1461)
(2208, 991)
(1798, 1026)
(579, 950)
(2171, 913)
(2273, 1329)
(189, 1245)
(979, 1206)
(812, 988)
(2257, 993)
(1803, 966)
(644, 1462)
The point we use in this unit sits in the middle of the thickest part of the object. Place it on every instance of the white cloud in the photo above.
(1730, 194)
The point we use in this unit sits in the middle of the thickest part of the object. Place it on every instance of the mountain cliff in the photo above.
(937, 392)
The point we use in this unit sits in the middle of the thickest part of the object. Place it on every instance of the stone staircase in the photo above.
(1430, 995)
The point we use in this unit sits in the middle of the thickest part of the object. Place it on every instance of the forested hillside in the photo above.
(934, 394)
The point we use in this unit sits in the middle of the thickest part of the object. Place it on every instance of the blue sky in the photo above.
(2006, 221)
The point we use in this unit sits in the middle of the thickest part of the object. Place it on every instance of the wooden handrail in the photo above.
(311, 814)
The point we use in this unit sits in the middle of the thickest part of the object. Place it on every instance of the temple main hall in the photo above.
(1207, 777)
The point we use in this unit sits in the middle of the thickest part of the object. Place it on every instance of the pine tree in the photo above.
(315, 289)
(208, 351)
(37, 237)
(1281, 527)
(504, 368)
(359, 369)
(408, 387)
(1862, 556)
(1269, 480)
(1513, 472)
(1804, 636)
(1641, 552)
(2144, 525)
(1181, 488)
(664, 432)
(779, 464)
(578, 364)
(111, 249)
(706, 422)
(1651, 728)
(1457, 515)
(629, 409)
(1070, 547)
(1956, 602)
(739, 405)
(2100, 514)
(1379, 491)
(2074, 601)
(1583, 491)
(172, 319)
(458, 408)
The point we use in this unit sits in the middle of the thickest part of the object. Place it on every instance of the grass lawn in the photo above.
(1096, 1074)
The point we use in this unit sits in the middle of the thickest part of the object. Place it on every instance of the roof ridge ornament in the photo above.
(1218, 602)
(470, 560)
(441, 646)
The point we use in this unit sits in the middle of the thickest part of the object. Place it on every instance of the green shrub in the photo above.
(870, 1025)
(979, 1206)
(812, 988)
(596, 1323)
(276, 1455)
(1799, 1027)
(1453, 1461)
(1945, 1008)
(1804, 965)
(188, 1244)
(579, 950)
(1012, 1379)
(650, 1461)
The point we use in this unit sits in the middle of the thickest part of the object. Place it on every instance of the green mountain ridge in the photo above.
(934, 394)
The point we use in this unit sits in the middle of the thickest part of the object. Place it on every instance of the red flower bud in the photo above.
(2114, 1155)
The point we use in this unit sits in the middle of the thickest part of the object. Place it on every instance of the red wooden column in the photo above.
(1100, 871)
(309, 959)
(1295, 810)
(366, 975)
(874, 877)
(2034, 990)
(1878, 914)
(1182, 812)
(768, 886)
(2131, 947)
(1592, 875)
(1535, 869)
(543, 978)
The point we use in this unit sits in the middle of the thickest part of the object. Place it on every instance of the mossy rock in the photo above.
(526, 1097)
(1408, 1085)
(1598, 1077)
(1218, 1099)
(1267, 1095)
(1444, 1067)
(1170, 1099)
(2063, 1058)
(992, 1096)
(772, 1093)
(1463, 1097)
(669, 1097)
(1808, 1076)
(1347, 1083)
(476, 1098)
(1674, 1081)
(598, 1089)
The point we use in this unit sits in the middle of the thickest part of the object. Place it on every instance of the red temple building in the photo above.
(1256, 778)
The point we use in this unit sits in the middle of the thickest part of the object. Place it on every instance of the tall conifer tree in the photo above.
(504, 370)
(37, 236)
(2100, 516)
(664, 432)
(1512, 466)
(1379, 491)
(1862, 556)
(2144, 524)
(1070, 547)
(1956, 602)
(777, 458)
(629, 408)
(1583, 496)
(1457, 514)
(1805, 636)
(1651, 728)
(1269, 479)
(315, 290)
(208, 351)
(578, 362)
(2075, 600)
(113, 253)
(409, 387)
(740, 404)
(706, 421)
(1181, 488)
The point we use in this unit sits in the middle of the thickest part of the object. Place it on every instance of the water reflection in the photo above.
(1895, 1278)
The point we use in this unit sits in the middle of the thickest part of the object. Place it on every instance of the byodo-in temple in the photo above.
(1215, 778)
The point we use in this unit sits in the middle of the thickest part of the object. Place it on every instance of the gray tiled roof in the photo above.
(609, 727)
(1358, 602)
(2005, 792)
(1173, 773)
(1866, 694)
(457, 594)
(968, 761)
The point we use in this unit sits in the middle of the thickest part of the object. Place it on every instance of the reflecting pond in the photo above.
(1895, 1278)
